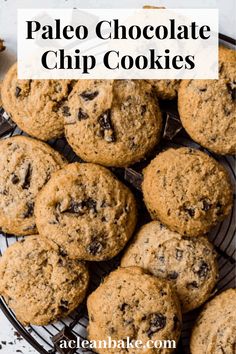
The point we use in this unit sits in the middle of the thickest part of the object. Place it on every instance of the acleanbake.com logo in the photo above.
(109, 343)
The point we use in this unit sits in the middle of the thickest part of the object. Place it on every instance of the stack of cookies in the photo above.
(75, 213)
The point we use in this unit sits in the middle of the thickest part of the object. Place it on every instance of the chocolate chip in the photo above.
(95, 248)
(123, 306)
(178, 254)
(64, 305)
(162, 292)
(202, 89)
(161, 259)
(27, 178)
(71, 86)
(15, 179)
(206, 205)
(4, 192)
(203, 270)
(173, 275)
(54, 221)
(80, 208)
(60, 262)
(190, 151)
(143, 109)
(192, 285)
(219, 209)
(74, 208)
(30, 210)
(66, 111)
(82, 115)
(88, 95)
(91, 204)
(107, 131)
(17, 91)
(105, 120)
(111, 330)
(190, 211)
(157, 322)
(231, 87)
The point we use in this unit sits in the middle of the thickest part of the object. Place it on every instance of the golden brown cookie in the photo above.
(112, 122)
(35, 105)
(215, 329)
(188, 263)
(39, 284)
(208, 107)
(85, 211)
(187, 190)
(25, 166)
(131, 303)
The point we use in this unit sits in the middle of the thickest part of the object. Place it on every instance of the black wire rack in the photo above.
(43, 338)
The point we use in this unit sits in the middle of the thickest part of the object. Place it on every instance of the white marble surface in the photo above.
(9, 343)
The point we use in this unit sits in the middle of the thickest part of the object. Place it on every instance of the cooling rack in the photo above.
(45, 338)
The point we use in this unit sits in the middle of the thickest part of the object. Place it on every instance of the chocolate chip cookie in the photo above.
(112, 122)
(215, 329)
(131, 303)
(208, 107)
(25, 166)
(35, 105)
(86, 212)
(39, 284)
(188, 263)
(187, 190)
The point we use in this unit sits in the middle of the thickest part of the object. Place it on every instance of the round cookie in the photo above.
(131, 303)
(215, 329)
(112, 122)
(25, 166)
(165, 89)
(35, 105)
(86, 211)
(187, 190)
(39, 284)
(208, 107)
(188, 263)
